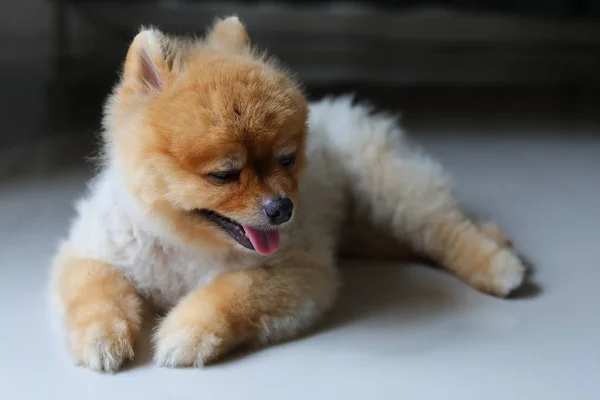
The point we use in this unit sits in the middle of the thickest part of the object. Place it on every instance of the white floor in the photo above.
(400, 332)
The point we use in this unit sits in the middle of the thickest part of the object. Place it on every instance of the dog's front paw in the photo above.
(183, 343)
(504, 273)
(102, 345)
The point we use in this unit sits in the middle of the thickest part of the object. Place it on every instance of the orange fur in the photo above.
(186, 109)
(102, 311)
(461, 247)
(242, 307)
(494, 232)
(247, 113)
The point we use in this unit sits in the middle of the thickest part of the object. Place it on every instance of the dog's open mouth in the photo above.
(263, 241)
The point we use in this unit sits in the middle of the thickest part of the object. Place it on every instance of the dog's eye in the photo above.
(224, 176)
(287, 161)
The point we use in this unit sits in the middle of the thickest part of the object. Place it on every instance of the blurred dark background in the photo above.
(455, 58)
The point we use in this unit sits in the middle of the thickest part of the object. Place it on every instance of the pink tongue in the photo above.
(264, 242)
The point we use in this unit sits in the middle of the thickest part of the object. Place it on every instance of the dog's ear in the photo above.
(145, 67)
(229, 34)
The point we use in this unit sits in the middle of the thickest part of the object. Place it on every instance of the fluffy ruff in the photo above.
(198, 136)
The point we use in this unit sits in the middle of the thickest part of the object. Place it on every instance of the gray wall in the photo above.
(24, 29)
(478, 49)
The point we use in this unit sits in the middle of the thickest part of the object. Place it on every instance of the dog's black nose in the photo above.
(278, 210)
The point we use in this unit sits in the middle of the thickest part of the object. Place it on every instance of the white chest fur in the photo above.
(161, 268)
(109, 227)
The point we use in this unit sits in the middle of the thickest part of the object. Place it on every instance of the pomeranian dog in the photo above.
(224, 199)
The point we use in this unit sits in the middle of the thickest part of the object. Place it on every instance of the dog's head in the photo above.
(209, 136)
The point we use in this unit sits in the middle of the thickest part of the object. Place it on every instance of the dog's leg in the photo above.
(457, 244)
(493, 231)
(101, 310)
(402, 190)
(421, 210)
(253, 306)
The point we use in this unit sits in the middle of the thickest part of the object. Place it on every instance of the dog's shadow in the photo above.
(391, 297)
(143, 346)
(391, 292)
(379, 289)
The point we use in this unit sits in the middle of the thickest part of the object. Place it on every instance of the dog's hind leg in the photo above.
(405, 192)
